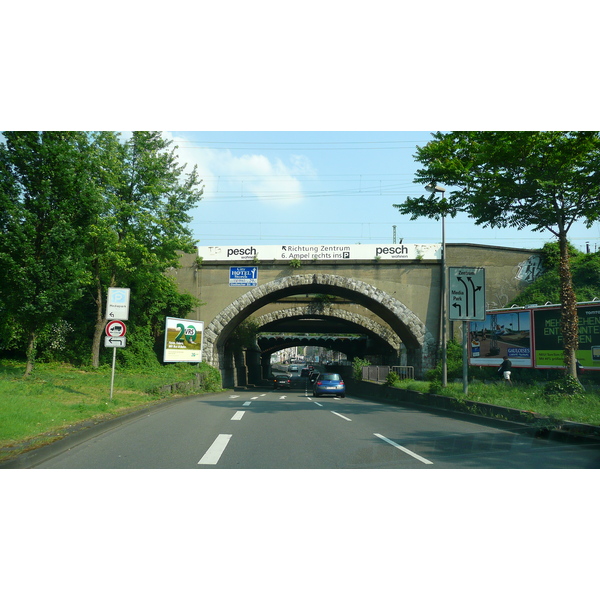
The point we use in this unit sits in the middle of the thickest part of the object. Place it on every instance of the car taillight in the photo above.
(319, 383)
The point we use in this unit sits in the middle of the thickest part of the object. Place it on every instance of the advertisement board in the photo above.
(548, 337)
(531, 337)
(318, 252)
(183, 340)
(503, 333)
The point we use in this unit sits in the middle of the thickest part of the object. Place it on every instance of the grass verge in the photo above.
(582, 408)
(41, 408)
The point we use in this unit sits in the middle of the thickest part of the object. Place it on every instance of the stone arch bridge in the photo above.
(390, 300)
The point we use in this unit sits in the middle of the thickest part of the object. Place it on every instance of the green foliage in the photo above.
(568, 387)
(295, 263)
(81, 212)
(244, 335)
(585, 270)
(454, 364)
(357, 365)
(392, 379)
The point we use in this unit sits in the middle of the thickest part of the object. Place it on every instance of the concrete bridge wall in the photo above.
(402, 296)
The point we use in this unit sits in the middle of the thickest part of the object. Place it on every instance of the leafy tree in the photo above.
(542, 180)
(145, 218)
(46, 203)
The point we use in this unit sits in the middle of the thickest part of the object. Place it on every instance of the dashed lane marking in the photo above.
(423, 460)
(238, 415)
(248, 403)
(342, 416)
(213, 454)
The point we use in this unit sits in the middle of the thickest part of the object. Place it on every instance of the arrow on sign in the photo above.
(456, 305)
(114, 342)
(475, 289)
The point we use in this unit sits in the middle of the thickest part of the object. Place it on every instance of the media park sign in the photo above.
(322, 252)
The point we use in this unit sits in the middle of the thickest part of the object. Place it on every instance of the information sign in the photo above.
(115, 342)
(117, 304)
(243, 276)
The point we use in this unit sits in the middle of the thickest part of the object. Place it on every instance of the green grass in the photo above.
(39, 409)
(584, 408)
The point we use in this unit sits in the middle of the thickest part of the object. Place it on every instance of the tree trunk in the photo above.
(569, 320)
(31, 348)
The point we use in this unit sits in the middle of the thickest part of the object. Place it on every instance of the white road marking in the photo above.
(254, 398)
(423, 460)
(234, 396)
(282, 397)
(317, 403)
(238, 415)
(248, 403)
(213, 454)
(263, 394)
(343, 417)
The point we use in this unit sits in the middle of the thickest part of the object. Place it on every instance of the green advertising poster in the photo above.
(548, 337)
(183, 340)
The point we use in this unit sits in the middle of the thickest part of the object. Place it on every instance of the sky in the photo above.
(319, 187)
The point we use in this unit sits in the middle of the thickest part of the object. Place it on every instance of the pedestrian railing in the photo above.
(380, 372)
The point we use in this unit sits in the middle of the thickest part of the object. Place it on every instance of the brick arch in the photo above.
(376, 328)
(409, 328)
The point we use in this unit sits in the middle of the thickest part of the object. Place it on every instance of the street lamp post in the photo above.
(434, 188)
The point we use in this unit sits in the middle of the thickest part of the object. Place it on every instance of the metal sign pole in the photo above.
(465, 358)
(112, 377)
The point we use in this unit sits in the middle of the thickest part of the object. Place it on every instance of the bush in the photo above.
(357, 365)
(392, 378)
(568, 387)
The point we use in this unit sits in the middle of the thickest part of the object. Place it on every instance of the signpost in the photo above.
(115, 337)
(466, 303)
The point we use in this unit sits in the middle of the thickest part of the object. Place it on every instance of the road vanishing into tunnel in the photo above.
(289, 429)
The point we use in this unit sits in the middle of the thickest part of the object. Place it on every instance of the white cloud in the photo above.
(227, 176)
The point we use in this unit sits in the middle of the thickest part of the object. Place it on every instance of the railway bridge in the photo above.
(387, 296)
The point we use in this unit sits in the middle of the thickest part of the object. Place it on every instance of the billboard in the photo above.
(183, 340)
(502, 334)
(548, 337)
(318, 252)
(531, 337)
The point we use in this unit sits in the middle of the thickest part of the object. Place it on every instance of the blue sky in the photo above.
(323, 187)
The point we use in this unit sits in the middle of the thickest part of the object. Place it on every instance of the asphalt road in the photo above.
(288, 429)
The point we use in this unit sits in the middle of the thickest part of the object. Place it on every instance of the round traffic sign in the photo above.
(115, 329)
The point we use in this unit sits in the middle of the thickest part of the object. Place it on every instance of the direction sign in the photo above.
(115, 342)
(117, 304)
(115, 329)
(466, 294)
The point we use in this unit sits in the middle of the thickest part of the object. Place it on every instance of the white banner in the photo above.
(322, 252)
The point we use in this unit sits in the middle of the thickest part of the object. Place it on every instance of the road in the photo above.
(289, 429)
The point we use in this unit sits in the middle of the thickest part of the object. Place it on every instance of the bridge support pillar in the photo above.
(254, 366)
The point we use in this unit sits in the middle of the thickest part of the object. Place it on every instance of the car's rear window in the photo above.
(331, 376)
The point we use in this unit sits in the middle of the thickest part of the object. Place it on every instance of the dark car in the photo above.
(329, 383)
(305, 373)
(313, 376)
(281, 381)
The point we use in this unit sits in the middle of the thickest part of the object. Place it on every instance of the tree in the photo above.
(46, 204)
(542, 180)
(145, 218)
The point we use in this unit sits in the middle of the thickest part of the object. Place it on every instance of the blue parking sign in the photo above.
(243, 276)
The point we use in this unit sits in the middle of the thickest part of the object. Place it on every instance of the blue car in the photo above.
(329, 383)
